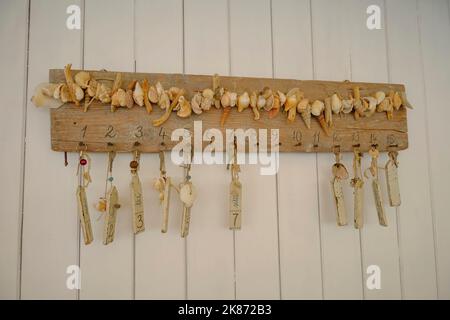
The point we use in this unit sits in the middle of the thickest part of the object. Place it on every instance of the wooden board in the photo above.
(98, 127)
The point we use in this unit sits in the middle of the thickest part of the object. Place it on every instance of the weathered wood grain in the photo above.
(98, 127)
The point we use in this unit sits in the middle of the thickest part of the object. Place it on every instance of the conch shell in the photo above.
(304, 108)
(293, 97)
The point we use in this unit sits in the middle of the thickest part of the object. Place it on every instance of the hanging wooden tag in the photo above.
(165, 205)
(137, 204)
(339, 200)
(358, 192)
(112, 204)
(186, 220)
(187, 197)
(235, 205)
(392, 180)
(379, 202)
(83, 212)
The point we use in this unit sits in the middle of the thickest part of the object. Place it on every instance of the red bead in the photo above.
(83, 162)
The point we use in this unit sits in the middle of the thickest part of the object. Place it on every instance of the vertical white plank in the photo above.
(256, 245)
(434, 20)
(107, 271)
(379, 244)
(50, 232)
(300, 259)
(160, 258)
(415, 223)
(341, 258)
(210, 252)
(13, 16)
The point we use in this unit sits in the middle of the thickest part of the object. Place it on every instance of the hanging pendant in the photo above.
(392, 179)
(358, 193)
(340, 173)
(137, 201)
(112, 205)
(162, 185)
(83, 211)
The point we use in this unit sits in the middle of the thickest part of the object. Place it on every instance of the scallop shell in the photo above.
(317, 107)
(371, 106)
(82, 79)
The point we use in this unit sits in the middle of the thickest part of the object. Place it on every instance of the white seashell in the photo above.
(159, 89)
(82, 79)
(188, 194)
(196, 102)
(206, 103)
(121, 97)
(79, 93)
(153, 95)
(233, 99)
(380, 95)
(243, 101)
(347, 105)
(336, 104)
(317, 107)
(43, 96)
(226, 100)
(302, 105)
(372, 104)
(185, 109)
(261, 102)
(103, 93)
(208, 93)
(269, 103)
(138, 95)
(164, 101)
(64, 93)
(282, 98)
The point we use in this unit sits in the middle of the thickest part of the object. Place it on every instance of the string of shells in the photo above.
(83, 89)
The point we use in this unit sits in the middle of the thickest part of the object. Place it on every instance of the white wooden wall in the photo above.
(289, 247)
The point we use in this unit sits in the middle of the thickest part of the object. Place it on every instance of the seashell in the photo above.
(173, 93)
(253, 99)
(159, 184)
(275, 107)
(397, 101)
(57, 91)
(306, 115)
(261, 102)
(82, 79)
(233, 99)
(256, 114)
(159, 89)
(208, 93)
(138, 95)
(92, 87)
(43, 96)
(371, 106)
(101, 205)
(115, 101)
(359, 108)
(282, 97)
(292, 112)
(78, 92)
(206, 103)
(302, 105)
(164, 101)
(226, 100)
(269, 103)
(328, 112)
(129, 99)
(218, 93)
(336, 104)
(267, 92)
(196, 102)
(145, 88)
(347, 105)
(291, 102)
(380, 95)
(243, 101)
(339, 171)
(185, 109)
(121, 97)
(65, 93)
(153, 95)
(317, 107)
(188, 194)
(103, 93)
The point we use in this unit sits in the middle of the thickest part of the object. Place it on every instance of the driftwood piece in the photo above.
(98, 127)
(165, 205)
(392, 181)
(341, 213)
(358, 191)
(186, 220)
(83, 212)
(112, 205)
(137, 204)
(379, 203)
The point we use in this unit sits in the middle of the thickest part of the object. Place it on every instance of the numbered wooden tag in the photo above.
(392, 180)
(137, 204)
(235, 204)
(187, 197)
(379, 202)
(358, 192)
(112, 205)
(165, 205)
(341, 213)
(83, 212)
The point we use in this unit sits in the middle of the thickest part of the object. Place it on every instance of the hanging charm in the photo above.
(187, 196)
(339, 173)
(392, 179)
(83, 211)
(235, 193)
(111, 204)
(357, 183)
(374, 153)
(137, 201)
(163, 184)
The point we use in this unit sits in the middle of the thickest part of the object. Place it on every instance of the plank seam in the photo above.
(427, 133)
(23, 158)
